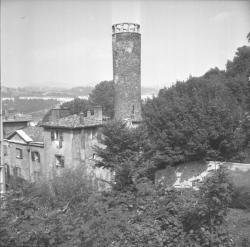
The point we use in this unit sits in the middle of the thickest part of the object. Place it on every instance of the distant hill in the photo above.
(58, 92)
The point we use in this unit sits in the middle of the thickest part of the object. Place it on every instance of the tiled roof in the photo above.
(35, 133)
(72, 121)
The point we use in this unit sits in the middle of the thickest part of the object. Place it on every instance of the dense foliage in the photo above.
(68, 211)
(102, 94)
(203, 118)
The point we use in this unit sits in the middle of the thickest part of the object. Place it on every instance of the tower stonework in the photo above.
(126, 42)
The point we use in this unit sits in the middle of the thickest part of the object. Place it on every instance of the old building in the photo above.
(24, 153)
(126, 42)
(70, 142)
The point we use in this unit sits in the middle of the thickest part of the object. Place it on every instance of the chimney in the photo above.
(98, 113)
(82, 118)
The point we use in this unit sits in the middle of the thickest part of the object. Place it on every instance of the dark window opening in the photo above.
(59, 161)
(19, 153)
(56, 135)
(35, 156)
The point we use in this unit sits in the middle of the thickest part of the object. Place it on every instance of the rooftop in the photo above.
(29, 134)
(35, 133)
(72, 122)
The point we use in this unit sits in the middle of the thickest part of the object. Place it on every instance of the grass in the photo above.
(239, 226)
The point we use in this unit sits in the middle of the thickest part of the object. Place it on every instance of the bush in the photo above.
(205, 222)
(241, 198)
(45, 214)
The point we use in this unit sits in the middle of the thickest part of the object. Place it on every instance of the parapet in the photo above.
(126, 28)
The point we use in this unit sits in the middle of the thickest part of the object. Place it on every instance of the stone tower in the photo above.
(126, 42)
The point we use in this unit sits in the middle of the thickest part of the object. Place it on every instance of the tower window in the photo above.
(133, 109)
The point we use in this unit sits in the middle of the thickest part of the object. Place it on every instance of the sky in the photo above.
(68, 43)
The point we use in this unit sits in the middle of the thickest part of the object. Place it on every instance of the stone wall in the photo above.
(189, 175)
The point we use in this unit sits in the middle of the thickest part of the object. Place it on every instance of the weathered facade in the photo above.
(24, 153)
(126, 42)
(70, 142)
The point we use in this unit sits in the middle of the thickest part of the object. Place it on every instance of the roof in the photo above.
(72, 122)
(24, 135)
(29, 134)
(35, 133)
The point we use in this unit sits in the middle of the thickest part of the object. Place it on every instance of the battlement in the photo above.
(126, 28)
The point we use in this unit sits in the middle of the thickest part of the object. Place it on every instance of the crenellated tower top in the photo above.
(126, 28)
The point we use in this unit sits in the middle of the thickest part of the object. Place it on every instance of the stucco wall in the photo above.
(52, 148)
(78, 150)
(28, 167)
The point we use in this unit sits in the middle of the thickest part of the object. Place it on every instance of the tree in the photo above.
(204, 222)
(103, 95)
(125, 152)
(192, 121)
(77, 106)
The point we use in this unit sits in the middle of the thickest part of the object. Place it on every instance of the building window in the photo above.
(133, 109)
(59, 161)
(35, 156)
(5, 151)
(19, 153)
(17, 171)
(56, 135)
(90, 135)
